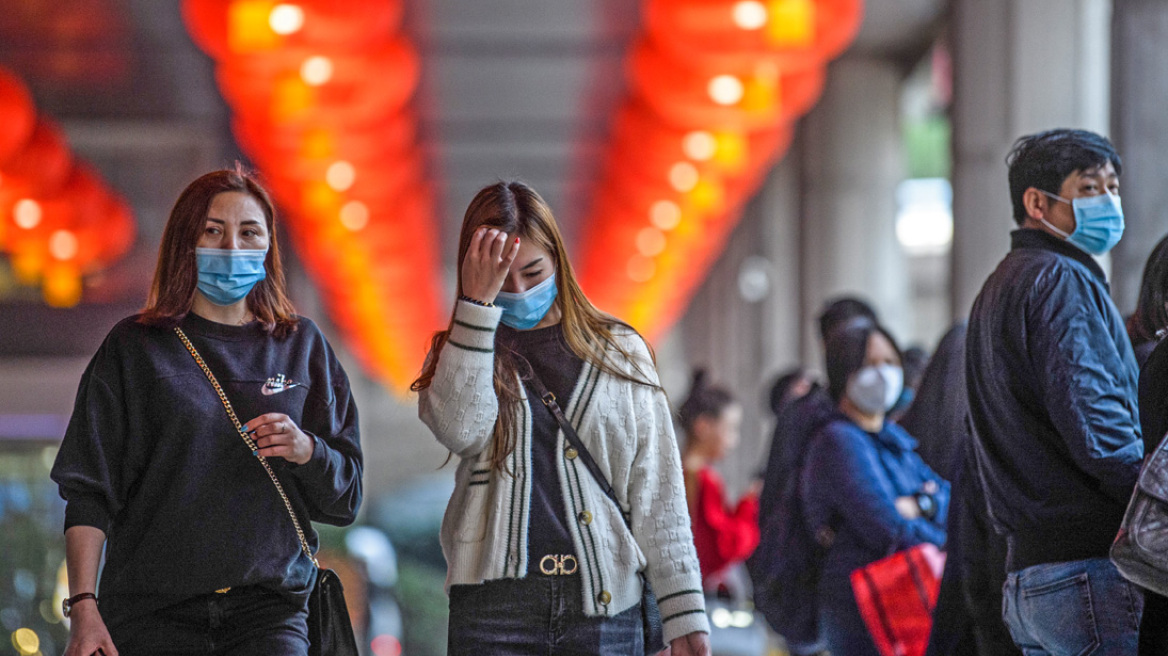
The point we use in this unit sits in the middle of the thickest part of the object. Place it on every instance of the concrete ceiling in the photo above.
(525, 88)
(521, 89)
(511, 88)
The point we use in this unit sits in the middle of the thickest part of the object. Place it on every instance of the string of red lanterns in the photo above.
(320, 90)
(715, 87)
(58, 220)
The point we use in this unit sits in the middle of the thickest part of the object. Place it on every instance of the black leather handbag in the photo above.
(1140, 550)
(650, 613)
(330, 631)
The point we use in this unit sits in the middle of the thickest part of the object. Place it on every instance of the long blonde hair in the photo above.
(516, 209)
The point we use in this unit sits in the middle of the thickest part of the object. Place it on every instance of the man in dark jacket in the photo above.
(1052, 393)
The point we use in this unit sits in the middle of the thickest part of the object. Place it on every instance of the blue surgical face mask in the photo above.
(226, 275)
(522, 311)
(1098, 222)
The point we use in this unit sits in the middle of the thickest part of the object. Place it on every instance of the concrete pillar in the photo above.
(743, 341)
(852, 165)
(1140, 130)
(1019, 66)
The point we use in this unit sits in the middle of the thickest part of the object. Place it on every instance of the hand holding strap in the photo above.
(250, 442)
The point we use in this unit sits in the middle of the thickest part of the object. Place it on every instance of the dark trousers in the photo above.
(243, 622)
(841, 626)
(968, 618)
(537, 615)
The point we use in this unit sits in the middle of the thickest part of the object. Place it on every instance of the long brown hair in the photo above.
(516, 209)
(176, 276)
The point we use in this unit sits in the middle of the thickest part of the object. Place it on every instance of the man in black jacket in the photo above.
(1052, 392)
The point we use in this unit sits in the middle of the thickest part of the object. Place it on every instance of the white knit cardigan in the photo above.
(629, 432)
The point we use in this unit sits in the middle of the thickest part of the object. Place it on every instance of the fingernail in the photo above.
(516, 240)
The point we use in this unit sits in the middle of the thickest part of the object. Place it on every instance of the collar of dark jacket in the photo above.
(1033, 238)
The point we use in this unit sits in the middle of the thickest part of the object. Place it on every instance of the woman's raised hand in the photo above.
(487, 261)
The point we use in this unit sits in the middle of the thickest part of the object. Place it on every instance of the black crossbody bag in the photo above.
(330, 631)
(650, 613)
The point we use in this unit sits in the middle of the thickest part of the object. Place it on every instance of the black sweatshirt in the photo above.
(151, 458)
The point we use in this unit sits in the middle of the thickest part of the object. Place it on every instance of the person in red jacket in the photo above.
(723, 536)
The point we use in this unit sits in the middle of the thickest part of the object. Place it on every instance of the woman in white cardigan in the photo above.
(539, 559)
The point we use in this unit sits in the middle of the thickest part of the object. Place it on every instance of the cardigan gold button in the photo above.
(571, 453)
(585, 517)
(604, 597)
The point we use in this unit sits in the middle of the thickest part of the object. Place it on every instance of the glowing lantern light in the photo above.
(726, 89)
(341, 175)
(248, 28)
(750, 14)
(793, 22)
(665, 214)
(707, 195)
(63, 245)
(355, 215)
(223, 28)
(27, 213)
(683, 176)
(27, 265)
(651, 242)
(316, 70)
(699, 145)
(641, 268)
(291, 96)
(731, 149)
(741, 94)
(286, 19)
(62, 286)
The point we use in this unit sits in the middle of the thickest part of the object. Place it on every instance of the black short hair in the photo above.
(839, 310)
(1045, 159)
(781, 389)
(846, 349)
(705, 400)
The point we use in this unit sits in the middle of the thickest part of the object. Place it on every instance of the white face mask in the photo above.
(875, 389)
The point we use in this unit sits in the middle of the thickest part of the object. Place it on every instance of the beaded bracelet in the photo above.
(475, 301)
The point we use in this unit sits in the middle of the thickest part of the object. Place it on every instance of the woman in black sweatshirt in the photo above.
(201, 555)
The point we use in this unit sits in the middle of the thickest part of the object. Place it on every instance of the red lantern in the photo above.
(41, 166)
(382, 139)
(17, 116)
(295, 87)
(223, 28)
(643, 144)
(793, 34)
(744, 97)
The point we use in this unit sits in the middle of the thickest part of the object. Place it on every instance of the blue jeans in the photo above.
(1075, 608)
(541, 615)
(246, 621)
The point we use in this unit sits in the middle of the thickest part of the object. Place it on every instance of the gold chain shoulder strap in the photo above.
(247, 438)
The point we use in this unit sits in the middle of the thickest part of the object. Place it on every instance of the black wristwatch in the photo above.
(67, 604)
